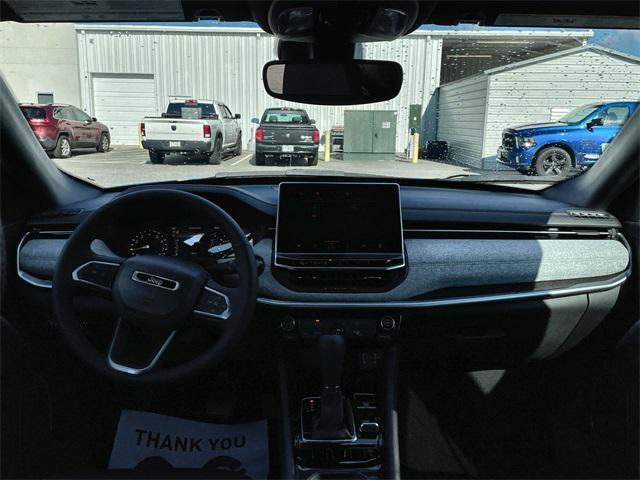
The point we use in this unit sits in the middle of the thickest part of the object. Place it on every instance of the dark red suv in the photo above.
(62, 128)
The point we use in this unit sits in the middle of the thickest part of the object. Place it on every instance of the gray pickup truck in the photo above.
(287, 135)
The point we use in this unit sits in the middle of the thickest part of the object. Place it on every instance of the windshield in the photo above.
(578, 115)
(162, 102)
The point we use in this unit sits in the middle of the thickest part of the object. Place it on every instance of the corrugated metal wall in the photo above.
(528, 93)
(461, 118)
(227, 66)
(473, 112)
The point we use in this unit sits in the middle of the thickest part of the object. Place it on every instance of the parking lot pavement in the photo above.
(125, 165)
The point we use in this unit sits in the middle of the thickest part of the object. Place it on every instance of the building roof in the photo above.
(563, 53)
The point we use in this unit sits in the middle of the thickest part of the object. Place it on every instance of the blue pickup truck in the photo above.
(574, 141)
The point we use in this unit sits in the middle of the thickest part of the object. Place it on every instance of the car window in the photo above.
(615, 115)
(276, 116)
(65, 113)
(80, 115)
(578, 115)
(34, 113)
(228, 112)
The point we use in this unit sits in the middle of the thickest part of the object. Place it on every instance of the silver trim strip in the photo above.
(131, 370)
(506, 232)
(470, 300)
(224, 315)
(135, 276)
(75, 277)
(30, 279)
(275, 244)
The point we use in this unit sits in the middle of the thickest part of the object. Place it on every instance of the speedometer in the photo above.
(149, 242)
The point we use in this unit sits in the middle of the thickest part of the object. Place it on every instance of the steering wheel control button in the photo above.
(155, 280)
(96, 274)
(213, 303)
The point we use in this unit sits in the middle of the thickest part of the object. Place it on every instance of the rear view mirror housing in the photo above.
(255, 120)
(237, 116)
(350, 82)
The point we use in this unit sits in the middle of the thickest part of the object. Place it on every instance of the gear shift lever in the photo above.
(329, 424)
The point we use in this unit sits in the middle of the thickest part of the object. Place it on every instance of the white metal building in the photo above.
(472, 112)
(127, 72)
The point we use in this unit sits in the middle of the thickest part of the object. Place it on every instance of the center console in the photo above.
(337, 237)
(339, 366)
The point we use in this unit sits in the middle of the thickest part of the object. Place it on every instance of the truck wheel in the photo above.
(63, 148)
(259, 159)
(552, 161)
(312, 162)
(216, 156)
(237, 150)
(156, 157)
(103, 144)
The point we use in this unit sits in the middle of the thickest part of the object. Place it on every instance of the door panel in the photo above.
(358, 128)
(230, 127)
(384, 132)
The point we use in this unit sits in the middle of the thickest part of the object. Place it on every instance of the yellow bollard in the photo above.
(327, 146)
(416, 145)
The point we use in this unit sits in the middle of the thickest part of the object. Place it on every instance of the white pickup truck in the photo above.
(192, 127)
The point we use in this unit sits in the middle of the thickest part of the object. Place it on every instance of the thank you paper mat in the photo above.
(189, 444)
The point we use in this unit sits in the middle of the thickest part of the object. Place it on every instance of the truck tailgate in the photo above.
(287, 135)
(174, 129)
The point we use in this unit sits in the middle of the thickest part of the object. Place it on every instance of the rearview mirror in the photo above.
(237, 116)
(255, 120)
(332, 83)
(94, 119)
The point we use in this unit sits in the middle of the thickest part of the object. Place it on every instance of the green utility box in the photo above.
(369, 134)
(415, 113)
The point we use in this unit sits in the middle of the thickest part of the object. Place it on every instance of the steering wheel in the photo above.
(155, 297)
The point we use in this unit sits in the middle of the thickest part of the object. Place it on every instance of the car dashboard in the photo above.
(464, 253)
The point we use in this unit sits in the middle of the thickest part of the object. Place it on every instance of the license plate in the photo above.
(287, 148)
(175, 144)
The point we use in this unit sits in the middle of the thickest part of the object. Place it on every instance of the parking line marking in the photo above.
(242, 159)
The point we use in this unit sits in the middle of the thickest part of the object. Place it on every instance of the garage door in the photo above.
(121, 102)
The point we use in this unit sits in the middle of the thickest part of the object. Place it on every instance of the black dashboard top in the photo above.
(422, 207)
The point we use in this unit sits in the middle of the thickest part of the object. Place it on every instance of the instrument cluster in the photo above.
(184, 242)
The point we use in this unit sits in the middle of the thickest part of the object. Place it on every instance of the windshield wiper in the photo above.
(458, 175)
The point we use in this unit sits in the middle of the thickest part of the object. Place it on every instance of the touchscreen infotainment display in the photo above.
(339, 219)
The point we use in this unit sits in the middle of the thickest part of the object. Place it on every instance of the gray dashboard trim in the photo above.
(469, 300)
